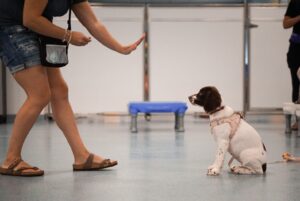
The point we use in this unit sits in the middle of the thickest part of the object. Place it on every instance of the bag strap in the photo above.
(69, 19)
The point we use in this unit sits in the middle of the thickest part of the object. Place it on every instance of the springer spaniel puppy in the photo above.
(232, 134)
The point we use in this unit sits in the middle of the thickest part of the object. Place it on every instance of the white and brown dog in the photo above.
(232, 134)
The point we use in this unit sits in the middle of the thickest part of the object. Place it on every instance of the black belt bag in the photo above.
(53, 51)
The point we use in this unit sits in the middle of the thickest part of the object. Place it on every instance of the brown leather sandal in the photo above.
(89, 165)
(13, 171)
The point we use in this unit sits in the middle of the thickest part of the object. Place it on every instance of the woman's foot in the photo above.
(18, 167)
(94, 162)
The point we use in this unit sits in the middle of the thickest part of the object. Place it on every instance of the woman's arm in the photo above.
(33, 19)
(86, 16)
(289, 22)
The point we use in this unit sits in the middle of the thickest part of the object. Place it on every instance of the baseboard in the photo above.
(11, 118)
(3, 119)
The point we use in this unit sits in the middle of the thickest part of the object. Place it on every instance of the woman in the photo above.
(292, 19)
(20, 21)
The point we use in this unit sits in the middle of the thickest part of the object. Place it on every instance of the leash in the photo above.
(276, 162)
(286, 158)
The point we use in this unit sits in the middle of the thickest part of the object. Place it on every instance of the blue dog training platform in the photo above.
(178, 108)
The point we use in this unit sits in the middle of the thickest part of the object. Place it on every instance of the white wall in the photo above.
(101, 80)
(189, 48)
(195, 47)
(270, 77)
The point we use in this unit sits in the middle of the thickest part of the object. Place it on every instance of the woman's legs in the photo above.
(41, 86)
(35, 84)
(295, 84)
(64, 117)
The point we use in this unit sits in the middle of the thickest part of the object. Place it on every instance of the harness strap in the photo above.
(233, 121)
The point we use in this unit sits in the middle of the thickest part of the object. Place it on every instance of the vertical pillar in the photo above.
(246, 71)
(146, 55)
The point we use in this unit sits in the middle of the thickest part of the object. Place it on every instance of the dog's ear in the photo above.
(212, 99)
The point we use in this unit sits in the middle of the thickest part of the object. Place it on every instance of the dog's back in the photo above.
(246, 143)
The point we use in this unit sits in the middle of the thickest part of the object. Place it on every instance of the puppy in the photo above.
(232, 134)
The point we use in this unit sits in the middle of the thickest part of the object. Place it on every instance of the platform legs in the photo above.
(179, 122)
(298, 121)
(288, 118)
(133, 124)
(289, 110)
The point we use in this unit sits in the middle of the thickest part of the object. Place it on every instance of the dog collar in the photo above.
(216, 110)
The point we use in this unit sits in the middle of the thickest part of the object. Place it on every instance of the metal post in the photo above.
(247, 26)
(146, 59)
(246, 71)
(3, 117)
(146, 54)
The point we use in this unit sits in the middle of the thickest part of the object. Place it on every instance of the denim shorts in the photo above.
(19, 48)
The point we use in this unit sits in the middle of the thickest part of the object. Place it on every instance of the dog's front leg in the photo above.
(216, 167)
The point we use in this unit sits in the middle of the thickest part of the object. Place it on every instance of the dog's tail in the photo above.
(264, 167)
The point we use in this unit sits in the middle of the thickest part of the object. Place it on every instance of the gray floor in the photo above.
(155, 164)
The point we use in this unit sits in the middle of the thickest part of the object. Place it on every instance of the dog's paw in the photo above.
(234, 169)
(241, 170)
(213, 171)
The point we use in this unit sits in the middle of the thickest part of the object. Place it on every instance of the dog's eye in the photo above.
(199, 95)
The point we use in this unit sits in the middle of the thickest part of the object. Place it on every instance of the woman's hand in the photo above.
(79, 39)
(88, 19)
(289, 22)
(129, 48)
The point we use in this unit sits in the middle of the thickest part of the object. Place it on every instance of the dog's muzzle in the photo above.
(192, 99)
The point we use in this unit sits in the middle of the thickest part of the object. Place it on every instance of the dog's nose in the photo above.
(192, 98)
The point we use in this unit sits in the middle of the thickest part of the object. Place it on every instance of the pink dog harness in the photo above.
(233, 121)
